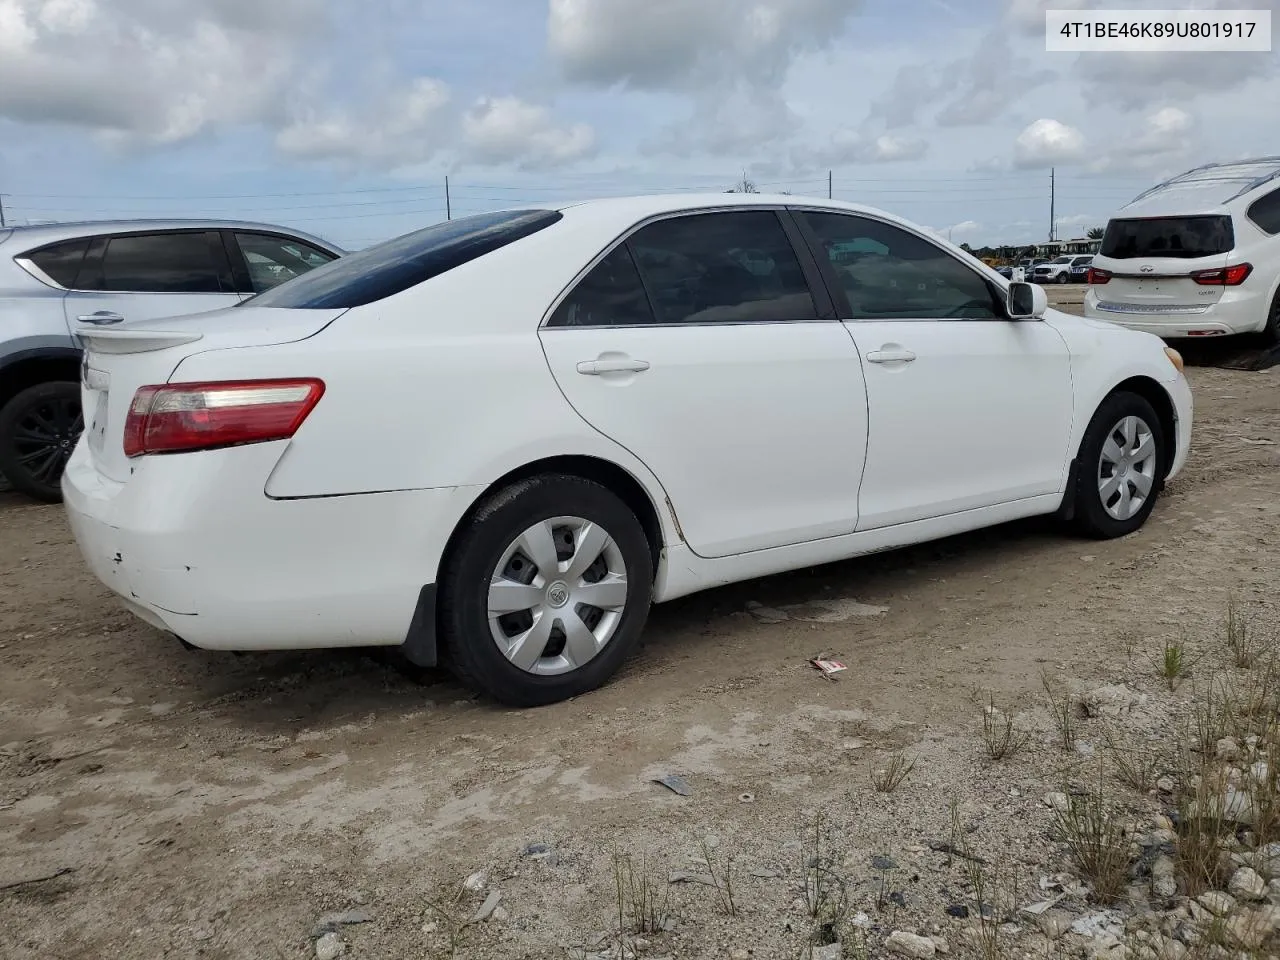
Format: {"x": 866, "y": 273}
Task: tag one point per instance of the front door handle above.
{"x": 890, "y": 355}
{"x": 101, "y": 318}
{"x": 594, "y": 368}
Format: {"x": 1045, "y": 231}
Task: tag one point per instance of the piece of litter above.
{"x": 486, "y": 909}
{"x": 684, "y": 876}
{"x": 746, "y": 798}
{"x": 1036, "y": 909}
{"x": 675, "y": 784}
{"x": 1258, "y": 442}
{"x": 828, "y": 667}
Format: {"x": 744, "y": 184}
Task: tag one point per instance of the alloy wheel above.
{"x": 45, "y": 436}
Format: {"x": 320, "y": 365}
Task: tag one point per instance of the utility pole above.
{"x": 1052, "y": 201}
{"x": 448, "y": 207}
{"x": 1, "y": 211}
{"x": 828, "y": 184}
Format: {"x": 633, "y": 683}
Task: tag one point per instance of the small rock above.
{"x": 1250, "y": 929}
{"x": 500, "y": 915}
{"x": 1057, "y": 801}
{"x": 958, "y": 910}
{"x": 830, "y": 951}
{"x": 1217, "y": 902}
{"x": 740, "y": 954}
{"x": 1246, "y": 884}
{"x": 329, "y": 947}
{"x": 1166, "y": 785}
{"x": 476, "y": 882}
{"x": 764, "y": 873}
{"x": 486, "y": 909}
{"x": 201, "y": 934}
{"x": 1227, "y": 749}
{"x": 910, "y": 945}
{"x": 883, "y": 863}
{"x": 430, "y": 927}
{"x": 537, "y": 850}
{"x": 1266, "y": 860}
{"x": 941, "y": 945}
{"x": 1164, "y": 880}
{"x": 1054, "y": 923}
{"x": 1112, "y": 701}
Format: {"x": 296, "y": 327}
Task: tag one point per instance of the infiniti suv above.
{"x": 56, "y": 279}
{"x": 1196, "y": 256}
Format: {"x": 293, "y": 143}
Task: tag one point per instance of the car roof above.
{"x": 38, "y": 234}
{"x": 1205, "y": 189}
{"x": 629, "y": 210}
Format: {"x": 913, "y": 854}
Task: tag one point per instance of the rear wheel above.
{"x": 546, "y": 593}
{"x": 38, "y": 430}
{"x": 1120, "y": 468}
{"x": 1271, "y": 332}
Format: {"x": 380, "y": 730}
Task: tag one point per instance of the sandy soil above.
{"x": 215, "y": 806}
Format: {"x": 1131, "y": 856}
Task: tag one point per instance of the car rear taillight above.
{"x": 1226, "y": 277}
{"x": 1097, "y": 277}
{"x": 198, "y": 416}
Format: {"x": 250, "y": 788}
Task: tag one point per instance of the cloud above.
{"x": 989, "y": 81}
{"x": 507, "y": 130}
{"x": 678, "y": 45}
{"x": 409, "y": 127}
{"x": 1027, "y": 16}
{"x": 1166, "y": 136}
{"x": 144, "y": 71}
{"x": 1047, "y": 142}
{"x": 850, "y": 146}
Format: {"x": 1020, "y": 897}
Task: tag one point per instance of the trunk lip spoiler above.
{"x": 117, "y": 341}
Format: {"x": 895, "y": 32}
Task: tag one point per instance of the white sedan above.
{"x": 493, "y": 443}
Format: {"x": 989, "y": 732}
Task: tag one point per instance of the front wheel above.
{"x": 38, "y": 430}
{"x": 1064, "y": 277}
{"x": 1120, "y": 468}
{"x": 1271, "y": 332}
{"x": 546, "y": 593}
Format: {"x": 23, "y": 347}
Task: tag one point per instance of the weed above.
{"x": 824, "y": 890}
{"x": 890, "y": 777}
{"x": 1204, "y": 830}
{"x": 1000, "y": 735}
{"x": 1175, "y": 663}
{"x": 722, "y": 882}
{"x": 1244, "y": 641}
{"x": 1136, "y": 769}
{"x": 986, "y": 894}
{"x": 454, "y": 924}
{"x": 641, "y": 899}
{"x": 1096, "y": 842}
{"x": 1063, "y": 707}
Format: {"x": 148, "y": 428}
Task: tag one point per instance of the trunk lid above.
{"x": 1151, "y": 260}
{"x": 120, "y": 359}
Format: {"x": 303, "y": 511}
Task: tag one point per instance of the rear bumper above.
{"x": 193, "y": 545}
{"x": 1231, "y": 315}
{"x": 1184, "y": 410}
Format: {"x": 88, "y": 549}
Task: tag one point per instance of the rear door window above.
{"x": 271, "y": 259}
{"x": 61, "y": 261}
{"x": 733, "y": 267}
{"x": 1183, "y": 238}
{"x": 611, "y": 295}
{"x": 182, "y": 262}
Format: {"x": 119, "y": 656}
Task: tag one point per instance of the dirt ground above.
{"x": 208, "y": 805}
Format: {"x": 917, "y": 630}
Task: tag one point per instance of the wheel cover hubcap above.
{"x": 1127, "y": 468}
{"x": 557, "y": 595}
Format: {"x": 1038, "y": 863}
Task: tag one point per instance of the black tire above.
{"x": 468, "y": 646}
{"x": 31, "y": 465}
{"x": 1271, "y": 332}
{"x": 1091, "y": 516}
{"x": 1064, "y": 277}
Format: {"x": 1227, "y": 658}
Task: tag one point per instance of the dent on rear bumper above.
{"x": 192, "y": 544}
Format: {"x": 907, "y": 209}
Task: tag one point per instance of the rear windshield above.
{"x": 388, "y": 268}
{"x": 1184, "y": 238}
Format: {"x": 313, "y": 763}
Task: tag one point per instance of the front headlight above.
{"x": 1174, "y": 357}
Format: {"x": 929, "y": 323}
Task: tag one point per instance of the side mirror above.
{"x": 1026, "y": 301}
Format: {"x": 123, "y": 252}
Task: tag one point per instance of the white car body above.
{"x": 1228, "y": 217}
{"x": 1057, "y": 270}
{"x": 756, "y": 447}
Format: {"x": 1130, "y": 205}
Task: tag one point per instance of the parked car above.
{"x": 59, "y": 279}
{"x": 1080, "y": 269}
{"x": 494, "y": 442}
{"x": 1005, "y": 271}
{"x": 1196, "y": 256}
{"x": 1057, "y": 270}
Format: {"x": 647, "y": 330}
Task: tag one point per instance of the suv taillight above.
{"x": 1226, "y": 277}
{"x": 177, "y": 417}
{"x": 1097, "y": 276}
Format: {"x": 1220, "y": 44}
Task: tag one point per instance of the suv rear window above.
{"x": 388, "y": 268}
{"x": 1182, "y": 238}
{"x": 61, "y": 261}
{"x": 1265, "y": 212}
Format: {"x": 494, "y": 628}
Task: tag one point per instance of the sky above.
{"x": 344, "y": 117}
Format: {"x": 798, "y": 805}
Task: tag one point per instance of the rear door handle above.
{"x": 101, "y": 318}
{"x": 594, "y": 368}
{"x": 891, "y": 355}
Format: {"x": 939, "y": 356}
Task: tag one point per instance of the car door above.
{"x": 697, "y": 344}
{"x": 967, "y": 409}
{"x": 145, "y": 275}
{"x": 260, "y": 261}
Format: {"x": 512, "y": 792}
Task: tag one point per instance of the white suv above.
{"x": 1196, "y": 256}
{"x": 1059, "y": 270}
